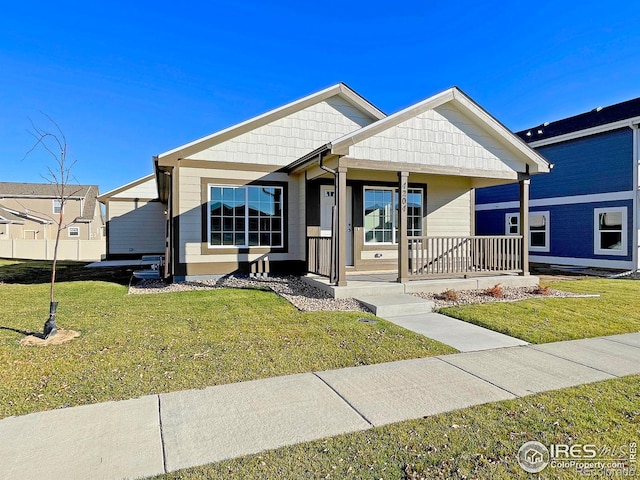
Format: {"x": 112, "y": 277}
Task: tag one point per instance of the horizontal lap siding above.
{"x": 190, "y": 217}
{"x": 449, "y": 207}
{"x": 590, "y": 165}
{"x": 571, "y": 228}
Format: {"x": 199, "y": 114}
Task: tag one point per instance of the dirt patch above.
{"x": 63, "y": 336}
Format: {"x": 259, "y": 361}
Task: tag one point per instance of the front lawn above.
{"x": 133, "y": 345}
{"x": 475, "y": 443}
{"x": 617, "y": 310}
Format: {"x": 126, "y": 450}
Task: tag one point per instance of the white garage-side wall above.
{"x": 136, "y": 227}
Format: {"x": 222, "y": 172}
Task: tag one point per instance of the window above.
{"x": 248, "y": 216}
{"x": 512, "y": 224}
{"x": 381, "y": 214}
{"x": 610, "y": 231}
{"x": 57, "y": 206}
{"x": 538, "y": 229}
{"x": 73, "y": 232}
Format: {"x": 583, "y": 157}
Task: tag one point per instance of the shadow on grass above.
{"x": 24, "y": 332}
{"x": 39, "y": 271}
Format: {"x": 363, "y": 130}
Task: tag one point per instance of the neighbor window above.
{"x": 538, "y": 229}
{"x": 381, "y": 214}
{"x": 512, "y": 224}
{"x": 610, "y": 231}
{"x": 57, "y": 206}
{"x": 248, "y": 216}
{"x": 73, "y": 231}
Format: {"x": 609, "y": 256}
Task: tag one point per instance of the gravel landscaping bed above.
{"x": 310, "y": 299}
{"x": 453, "y": 298}
{"x": 302, "y": 295}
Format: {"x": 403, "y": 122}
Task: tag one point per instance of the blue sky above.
{"x": 128, "y": 80}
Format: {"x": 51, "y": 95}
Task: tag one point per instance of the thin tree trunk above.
{"x": 55, "y": 257}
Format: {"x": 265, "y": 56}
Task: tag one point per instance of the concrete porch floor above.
{"x": 385, "y": 283}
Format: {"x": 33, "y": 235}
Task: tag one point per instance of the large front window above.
{"x": 247, "y": 216}
{"x": 381, "y": 214}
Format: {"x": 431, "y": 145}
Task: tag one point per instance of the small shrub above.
{"x": 449, "y": 295}
{"x": 495, "y": 291}
{"x": 541, "y": 290}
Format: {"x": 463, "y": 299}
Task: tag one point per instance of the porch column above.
{"x": 341, "y": 202}
{"x": 524, "y": 223}
{"x": 403, "y": 245}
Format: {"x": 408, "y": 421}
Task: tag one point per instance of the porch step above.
{"x": 396, "y": 304}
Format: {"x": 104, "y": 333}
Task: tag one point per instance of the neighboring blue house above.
{"x": 585, "y": 211}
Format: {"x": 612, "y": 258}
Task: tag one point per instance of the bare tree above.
{"x": 54, "y": 142}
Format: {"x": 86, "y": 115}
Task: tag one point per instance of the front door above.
{"x": 327, "y": 200}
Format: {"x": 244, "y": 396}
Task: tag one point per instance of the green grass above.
{"x": 134, "y": 345}
{"x": 617, "y": 310}
{"x": 37, "y": 271}
{"x": 478, "y": 442}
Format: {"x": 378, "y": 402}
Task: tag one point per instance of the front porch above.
{"x": 398, "y": 196}
{"x": 372, "y": 284}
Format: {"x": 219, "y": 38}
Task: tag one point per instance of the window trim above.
{"x": 58, "y": 206}
{"x": 76, "y": 229}
{"x": 597, "y": 247}
{"x": 394, "y": 191}
{"x": 246, "y": 217}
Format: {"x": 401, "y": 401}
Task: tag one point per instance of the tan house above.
{"x": 135, "y": 219}
{"x": 28, "y": 216}
{"x": 330, "y": 185}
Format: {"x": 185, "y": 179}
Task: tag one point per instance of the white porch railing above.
{"x": 443, "y": 256}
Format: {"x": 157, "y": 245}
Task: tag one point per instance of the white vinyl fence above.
{"x": 81, "y": 250}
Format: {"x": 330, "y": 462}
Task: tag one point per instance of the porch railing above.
{"x": 319, "y": 257}
{"x": 441, "y": 256}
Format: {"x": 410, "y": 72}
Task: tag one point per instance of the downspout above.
{"x": 324, "y": 167}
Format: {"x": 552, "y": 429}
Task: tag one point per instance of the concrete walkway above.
{"x": 463, "y": 336}
{"x": 161, "y": 433}
{"x": 416, "y": 314}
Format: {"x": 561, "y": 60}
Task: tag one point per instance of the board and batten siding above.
{"x": 136, "y": 227}
{"x": 287, "y": 139}
{"x": 190, "y": 213}
{"x": 441, "y": 137}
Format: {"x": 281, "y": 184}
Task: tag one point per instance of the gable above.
{"x": 285, "y": 139}
{"x": 142, "y": 188}
{"x": 447, "y": 133}
{"x": 442, "y": 137}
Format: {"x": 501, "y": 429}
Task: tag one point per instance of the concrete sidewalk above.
{"x": 161, "y": 433}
